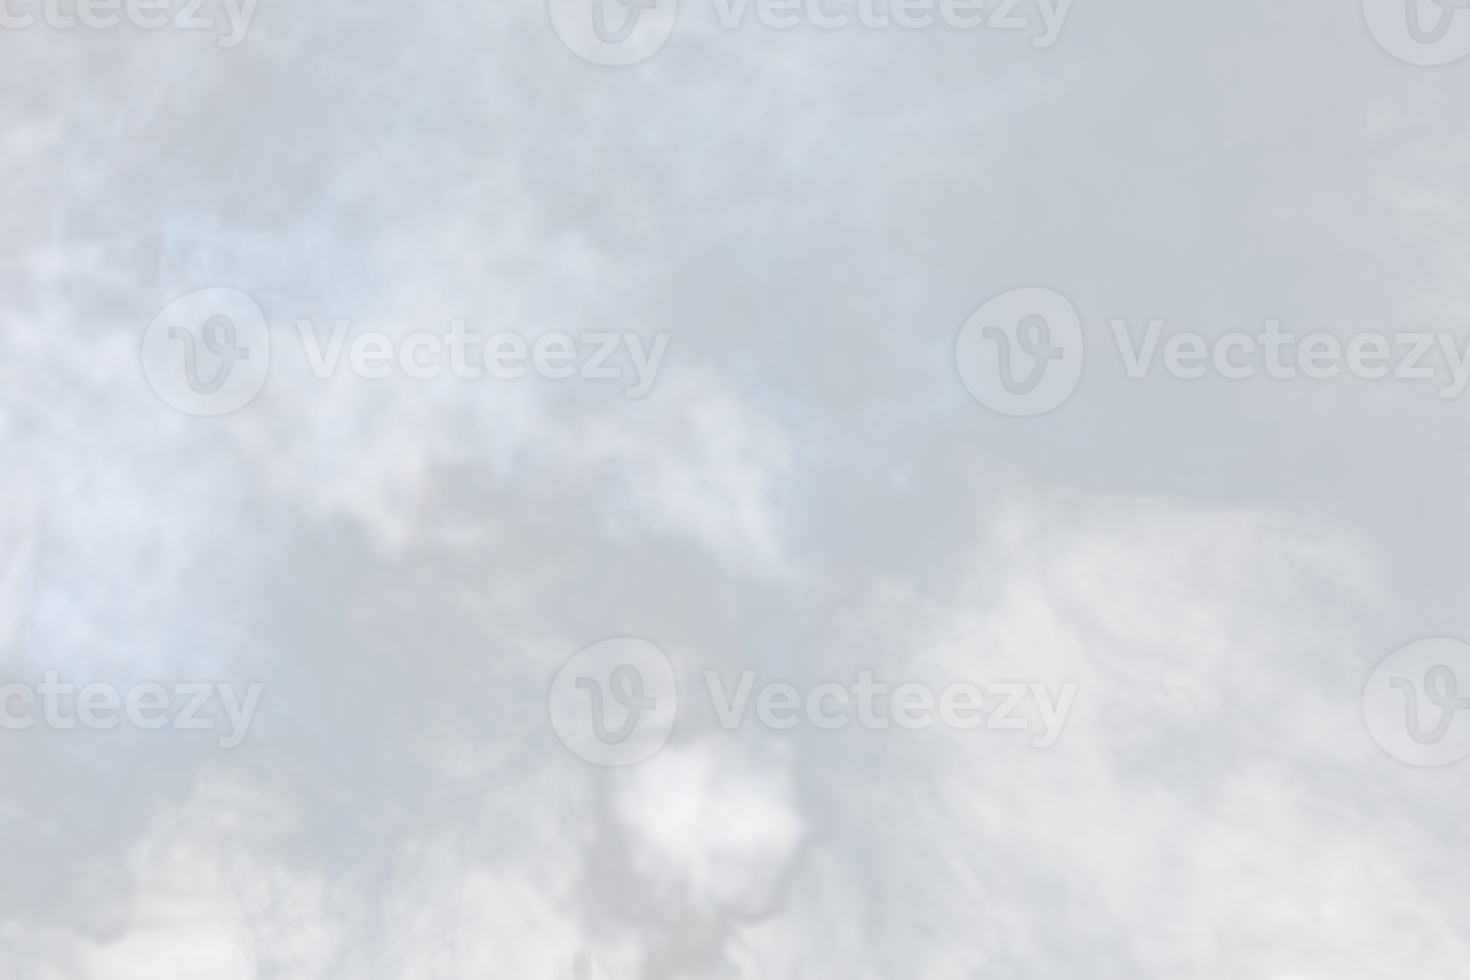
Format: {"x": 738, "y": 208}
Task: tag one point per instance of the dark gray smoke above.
{"x": 806, "y": 490}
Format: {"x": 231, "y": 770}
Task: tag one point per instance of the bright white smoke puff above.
{"x": 701, "y": 838}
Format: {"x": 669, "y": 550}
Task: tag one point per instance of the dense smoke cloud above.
{"x": 804, "y": 488}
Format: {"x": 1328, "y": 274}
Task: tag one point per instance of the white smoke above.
{"x": 703, "y": 838}
{"x": 807, "y": 490}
